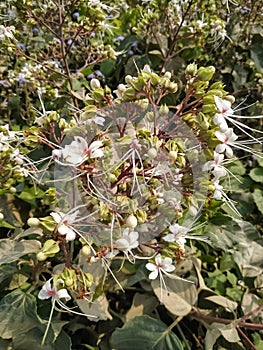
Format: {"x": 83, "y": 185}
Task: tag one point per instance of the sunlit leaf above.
{"x": 11, "y": 250}
{"x": 225, "y": 302}
{"x": 179, "y": 297}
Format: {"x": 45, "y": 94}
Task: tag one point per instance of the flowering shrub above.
{"x": 130, "y": 184}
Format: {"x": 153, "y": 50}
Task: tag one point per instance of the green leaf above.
{"x": 11, "y": 250}
{"x": 145, "y": 333}
{"x": 17, "y": 314}
{"x": 258, "y": 198}
{"x": 256, "y": 52}
{"x": 107, "y": 67}
{"x": 32, "y": 340}
{"x": 256, "y": 174}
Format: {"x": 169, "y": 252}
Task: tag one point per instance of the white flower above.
{"x": 78, "y": 151}
{"x": 225, "y": 110}
{"x": 227, "y": 138}
{"x": 17, "y": 157}
{"x": 218, "y": 191}
{"x": 161, "y": 265}
{"x": 215, "y": 165}
{"x": 64, "y": 221}
{"x": 48, "y": 291}
{"x": 55, "y": 294}
{"x": 178, "y": 235}
{"x": 128, "y": 241}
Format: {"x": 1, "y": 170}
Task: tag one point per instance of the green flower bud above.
{"x": 41, "y": 256}
{"x": 69, "y": 277}
{"x": 85, "y": 250}
{"x": 152, "y": 153}
{"x": 164, "y": 110}
{"x": 230, "y": 98}
{"x": 12, "y": 190}
{"x": 209, "y": 108}
{"x": 173, "y": 155}
{"x": 191, "y": 69}
{"x": 129, "y": 79}
{"x": 86, "y": 278}
{"x": 62, "y": 123}
{"x": 206, "y": 73}
{"x": 141, "y": 216}
{"x": 49, "y": 249}
{"x": 53, "y": 116}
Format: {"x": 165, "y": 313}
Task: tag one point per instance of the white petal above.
{"x": 220, "y": 148}
{"x": 122, "y": 244}
{"x": 71, "y": 235}
{"x": 229, "y": 151}
{"x": 158, "y": 259}
{"x": 57, "y": 216}
{"x": 219, "y": 172}
{"x": 63, "y": 293}
{"x": 63, "y": 229}
{"x": 224, "y": 106}
{"x": 174, "y": 228}
{"x": 218, "y": 119}
{"x": 223, "y": 126}
{"x": 95, "y": 145}
{"x": 44, "y": 292}
{"x": 151, "y": 267}
{"x": 134, "y": 236}
{"x": 169, "y": 238}
{"x": 167, "y": 261}
{"x": 153, "y": 275}
{"x": 98, "y": 153}
{"x": 221, "y": 136}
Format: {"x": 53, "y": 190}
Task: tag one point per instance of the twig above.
{"x": 199, "y": 316}
{"x": 252, "y": 346}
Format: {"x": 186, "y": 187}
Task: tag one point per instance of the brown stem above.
{"x": 199, "y": 316}
{"x": 252, "y": 346}
{"x": 251, "y": 313}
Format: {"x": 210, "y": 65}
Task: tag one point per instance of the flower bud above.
{"x": 168, "y": 75}
{"x": 129, "y": 79}
{"x": 230, "y": 98}
{"x": 1, "y": 216}
{"x": 206, "y": 73}
{"x": 152, "y": 153}
{"x": 85, "y": 250}
{"x": 33, "y": 222}
{"x": 131, "y": 221}
{"x": 173, "y": 155}
{"x": 95, "y": 84}
{"x": 191, "y": 69}
{"x": 41, "y": 256}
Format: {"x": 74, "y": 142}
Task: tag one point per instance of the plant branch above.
{"x": 199, "y": 316}
{"x": 252, "y": 346}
